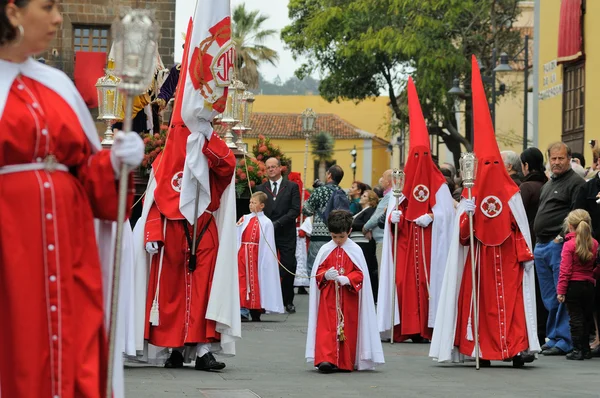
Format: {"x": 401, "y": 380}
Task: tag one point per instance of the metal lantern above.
{"x": 247, "y": 106}
{"x": 308, "y": 120}
{"x": 135, "y": 43}
{"x": 398, "y": 178}
{"x": 110, "y": 104}
{"x": 468, "y": 169}
{"x": 232, "y": 114}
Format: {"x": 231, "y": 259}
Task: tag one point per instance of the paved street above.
{"x": 270, "y": 363}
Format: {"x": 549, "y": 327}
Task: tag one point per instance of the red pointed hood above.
{"x": 423, "y": 178}
{"x": 168, "y": 166}
{"x": 493, "y": 186}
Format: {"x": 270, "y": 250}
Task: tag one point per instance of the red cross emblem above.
{"x": 176, "y": 181}
{"x": 491, "y": 206}
{"x": 421, "y": 193}
{"x": 211, "y": 65}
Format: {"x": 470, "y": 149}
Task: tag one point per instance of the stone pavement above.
{"x": 270, "y": 363}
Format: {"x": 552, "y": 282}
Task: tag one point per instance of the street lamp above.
{"x": 308, "y": 123}
{"x": 505, "y": 67}
{"x": 353, "y": 164}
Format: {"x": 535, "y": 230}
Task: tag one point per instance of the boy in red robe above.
{"x": 342, "y": 317}
{"x": 258, "y": 269}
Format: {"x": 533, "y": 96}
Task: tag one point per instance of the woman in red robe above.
{"x": 53, "y": 182}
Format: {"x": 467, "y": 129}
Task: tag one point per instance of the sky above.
{"x": 277, "y": 12}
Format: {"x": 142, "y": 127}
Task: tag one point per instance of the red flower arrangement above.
{"x": 264, "y": 149}
{"x": 154, "y": 143}
{"x": 249, "y": 173}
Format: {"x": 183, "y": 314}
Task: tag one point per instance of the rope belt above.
{"x": 49, "y": 164}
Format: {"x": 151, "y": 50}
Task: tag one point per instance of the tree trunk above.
{"x": 323, "y": 170}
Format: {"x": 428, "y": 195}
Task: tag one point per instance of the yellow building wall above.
{"x": 371, "y": 115}
{"x": 592, "y": 83}
{"x": 551, "y": 78}
{"x": 294, "y": 149}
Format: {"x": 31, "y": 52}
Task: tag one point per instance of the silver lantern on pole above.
{"x": 110, "y": 103}
{"x": 246, "y": 109}
{"x": 468, "y": 171}
{"x": 398, "y": 179}
{"x": 135, "y": 40}
{"x": 308, "y": 124}
{"x": 231, "y": 116}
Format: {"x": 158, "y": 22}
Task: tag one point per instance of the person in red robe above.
{"x": 424, "y": 217}
{"x": 55, "y": 180}
{"x": 342, "y": 310}
{"x": 248, "y": 260}
{"x": 258, "y": 270}
{"x": 179, "y": 284}
{"x": 504, "y": 288}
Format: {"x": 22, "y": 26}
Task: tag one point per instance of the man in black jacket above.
{"x": 282, "y": 208}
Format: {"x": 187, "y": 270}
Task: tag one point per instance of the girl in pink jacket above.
{"x": 577, "y": 279}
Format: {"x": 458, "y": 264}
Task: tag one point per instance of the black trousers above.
{"x": 287, "y": 257}
{"x": 369, "y": 251}
{"x": 580, "y": 304}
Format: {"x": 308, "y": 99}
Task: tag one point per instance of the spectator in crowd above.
{"x": 578, "y": 169}
{"x": 557, "y": 199}
{"x": 282, "y": 207}
{"x": 586, "y": 200}
{"x": 512, "y": 162}
{"x": 355, "y": 193}
{"x": 577, "y": 278}
{"x": 532, "y": 162}
{"x": 579, "y": 159}
{"x": 368, "y": 203}
{"x": 315, "y": 205}
{"x": 371, "y": 228}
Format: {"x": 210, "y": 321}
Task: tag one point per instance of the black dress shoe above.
{"x": 418, "y": 339}
{"x": 485, "y": 363}
{"x": 255, "y": 314}
{"x": 545, "y": 347}
{"x": 528, "y": 357}
{"x": 518, "y": 361}
{"x": 553, "y": 352}
{"x": 302, "y": 290}
{"x": 175, "y": 360}
{"x": 208, "y": 362}
{"x": 576, "y": 355}
{"x": 326, "y": 367}
{"x": 290, "y": 309}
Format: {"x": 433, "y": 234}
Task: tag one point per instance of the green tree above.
{"x": 248, "y": 35}
{"x": 322, "y": 148}
{"x": 363, "y": 47}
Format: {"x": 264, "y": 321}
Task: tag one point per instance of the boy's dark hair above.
{"x": 339, "y": 221}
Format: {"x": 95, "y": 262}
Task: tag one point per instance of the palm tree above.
{"x": 248, "y": 35}
{"x": 322, "y": 148}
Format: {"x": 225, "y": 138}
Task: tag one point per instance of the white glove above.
{"x": 331, "y": 274}
{"x": 424, "y": 220}
{"x": 127, "y": 148}
{"x": 470, "y": 205}
{"x": 152, "y": 247}
{"x": 528, "y": 265}
{"x": 396, "y": 216}
{"x": 342, "y": 280}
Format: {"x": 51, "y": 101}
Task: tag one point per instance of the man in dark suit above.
{"x": 282, "y": 208}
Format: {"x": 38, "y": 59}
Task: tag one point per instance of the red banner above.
{"x": 570, "y": 34}
{"x": 89, "y": 67}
